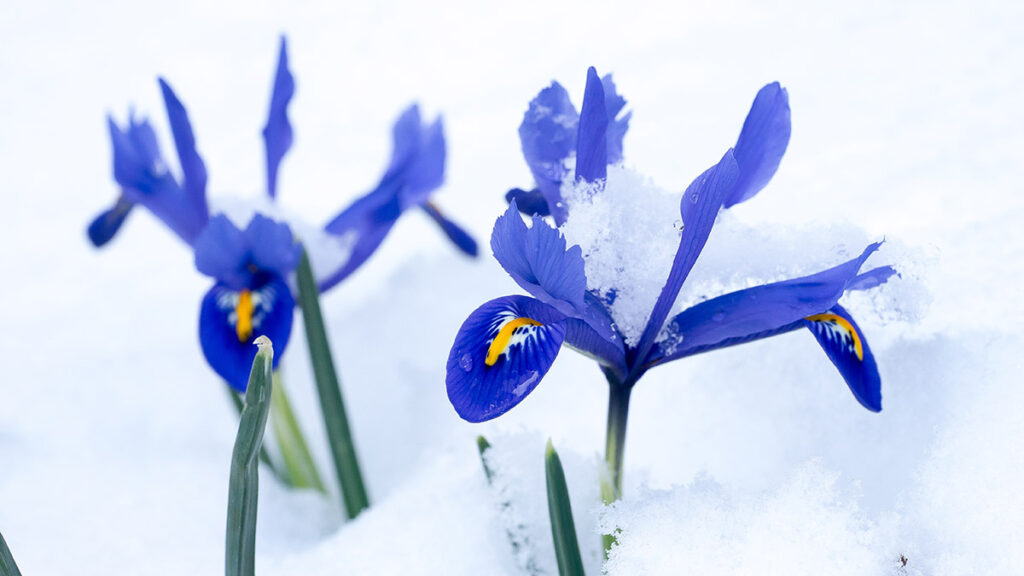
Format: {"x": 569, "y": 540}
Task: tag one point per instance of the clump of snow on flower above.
{"x": 805, "y": 527}
{"x": 629, "y": 233}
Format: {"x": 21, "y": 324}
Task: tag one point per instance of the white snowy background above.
{"x": 115, "y": 437}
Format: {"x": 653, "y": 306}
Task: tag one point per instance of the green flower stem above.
{"x": 618, "y": 411}
{"x": 563, "y": 528}
{"x": 343, "y": 451}
{"x": 8, "y": 567}
{"x": 298, "y": 462}
{"x": 243, "y": 483}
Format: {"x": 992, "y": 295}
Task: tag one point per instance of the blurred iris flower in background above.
{"x": 252, "y": 266}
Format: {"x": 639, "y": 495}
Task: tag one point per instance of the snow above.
{"x": 115, "y": 437}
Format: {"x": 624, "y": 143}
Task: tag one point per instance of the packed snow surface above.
{"x": 115, "y": 437}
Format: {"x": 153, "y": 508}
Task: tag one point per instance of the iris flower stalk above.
{"x": 253, "y": 266}
{"x": 506, "y": 346}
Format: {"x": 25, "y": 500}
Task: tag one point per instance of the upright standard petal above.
{"x": 616, "y": 126}
{"x": 845, "y": 345}
{"x": 425, "y": 170}
{"x": 501, "y": 353}
{"x": 455, "y": 233}
{"x": 699, "y": 207}
{"x": 592, "y": 142}
{"x": 140, "y": 170}
{"x": 762, "y": 142}
{"x": 757, "y": 312}
{"x": 537, "y": 259}
{"x": 277, "y": 134}
{"x": 192, "y": 167}
{"x": 548, "y": 137}
{"x": 230, "y": 319}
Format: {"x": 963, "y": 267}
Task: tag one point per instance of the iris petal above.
{"x": 757, "y": 312}
{"x": 762, "y": 142}
{"x": 548, "y": 137}
{"x": 530, "y": 202}
{"x": 592, "y": 142}
{"x": 425, "y": 172}
{"x": 537, "y": 259}
{"x": 192, "y": 167}
{"x": 479, "y": 391}
{"x": 455, "y": 233}
{"x": 699, "y": 207}
{"x": 105, "y": 226}
{"x": 221, "y": 252}
{"x": 271, "y": 245}
{"x": 616, "y": 128}
{"x": 277, "y": 134}
{"x": 584, "y": 339}
{"x": 845, "y": 345}
{"x": 273, "y": 307}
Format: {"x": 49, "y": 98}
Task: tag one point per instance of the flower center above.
{"x": 501, "y": 341}
{"x": 840, "y": 328}
{"x": 243, "y": 313}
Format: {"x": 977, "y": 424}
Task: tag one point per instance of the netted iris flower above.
{"x": 252, "y": 266}
{"x": 506, "y": 346}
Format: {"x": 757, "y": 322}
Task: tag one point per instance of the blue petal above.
{"x": 425, "y": 172}
{"x": 548, "y": 137}
{"x": 584, "y": 339}
{"x": 616, "y": 128}
{"x": 872, "y": 278}
{"x": 699, "y": 207}
{"x": 367, "y": 221}
{"x": 846, "y": 347}
{"x": 480, "y": 392}
{"x": 368, "y": 238}
{"x": 272, "y": 248}
{"x": 106, "y": 225}
{"x": 530, "y": 202}
{"x": 142, "y": 174}
{"x": 592, "y": 142}
{"x": 192, "y": 167}
{"x": 218, "y": 335}
{"x": 537, "y": 259}
{"x": 455, "y": 233}
{"x": 277, "y": 134}
{"x": 221, "y": 252}
{"x": 758, "y": 312}
{"x": 762, "y": 142}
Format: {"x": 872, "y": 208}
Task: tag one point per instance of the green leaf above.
{"x": 482, "y": 445}
{"x": 7, "y": 565}
{"x": 236, "y": 401}
{"x": 339, "y": 437}
{"x": 563, "y": 529}
{"x": 298, "y": 462}
{"x": 243, "y": 483}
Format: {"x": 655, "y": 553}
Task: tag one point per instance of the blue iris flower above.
{"x": 252, "y": 266}
{"x": 505, "y": 347}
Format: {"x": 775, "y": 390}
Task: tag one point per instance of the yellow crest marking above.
{"x": 243, "y": 311}
{"x": 500, "y": 341}
{"x": 845, "y": 325}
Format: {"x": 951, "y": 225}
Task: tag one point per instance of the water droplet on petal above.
{"x": 466, "y": 362}
{"x": 678, "y": 225}
{"x": 694, "y": 197}
{"x": 718, "y": 316}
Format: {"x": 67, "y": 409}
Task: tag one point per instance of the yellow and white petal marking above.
{"x": 514, "y": 330}
{"x": 246, "y": 309}
{"x": 839, "y": 329}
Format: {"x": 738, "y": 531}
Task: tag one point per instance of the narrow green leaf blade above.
{"x": 482, "y": 445}
{"x": 7, "y": 565}
{"x": 339, "y": 436}
{"x": 243, "y": 483}
{"x": 563, "y": 529}
{"x": 298, "y": 461}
